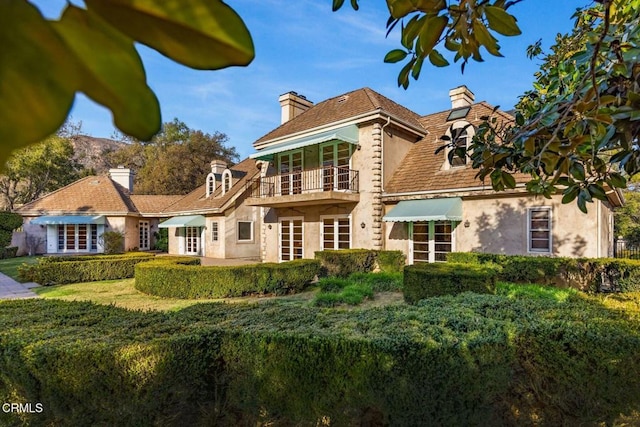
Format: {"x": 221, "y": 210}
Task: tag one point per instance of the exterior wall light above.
{"x": 363, "y": 225}
{"x": 467, "y": 224}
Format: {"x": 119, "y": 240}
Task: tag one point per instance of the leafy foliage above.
{"x": 9, "y": 221}
{"x": 175, "y": 161}
{"x": 91, "y": 50}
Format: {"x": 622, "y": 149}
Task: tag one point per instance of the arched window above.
{"x": 226, "y": 181}
{"x": 461, "y": 134}
{"x": 211, "y": 184}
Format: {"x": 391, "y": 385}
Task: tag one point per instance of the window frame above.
{"x": 215, "y": 232}
{"x": 227, "y": 181}
{"x": 211, "y": 184}
{"x": 431, "y": 240}
{"x": 469, "y": 132}
{"x": 336, "y": 233}
{"x": 549, "y": 229}
{"x": 251, "y": 231}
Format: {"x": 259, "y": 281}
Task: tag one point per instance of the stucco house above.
{"x": 359, "y": 171}
{"x": 72, "y": 219}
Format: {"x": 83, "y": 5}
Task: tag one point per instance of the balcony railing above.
{"x": 326, "y": 178}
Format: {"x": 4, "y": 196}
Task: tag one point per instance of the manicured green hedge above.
{"x": 57, "y": 270}
{"x": 10, "y": 252}
{"x": 426, "y": 280}
{"x": 585, "y": 274}
{"x": 459, "y": 360}
{"x": 344, "y": 262}
{"x": 169, "y": 279}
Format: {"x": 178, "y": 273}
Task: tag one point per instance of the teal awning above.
{"x": 449, "y": 209}
{"x": 68, "y": 219}
{"x": 346, "y": 134}
{"x": 183, "y": 221}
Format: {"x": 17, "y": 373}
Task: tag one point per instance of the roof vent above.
{"x": 95, "y": 182}
{"x": 342, "y": 99}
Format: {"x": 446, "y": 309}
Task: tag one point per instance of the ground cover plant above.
{"x": 356, "y": 288}
{"x": 468, "y": 359}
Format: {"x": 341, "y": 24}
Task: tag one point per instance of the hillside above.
{"x": 90, "y": 151}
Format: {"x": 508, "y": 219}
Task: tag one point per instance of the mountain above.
{"x": 90, "y": 151}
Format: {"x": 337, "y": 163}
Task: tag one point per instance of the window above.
{"x": 211, "y": 184}
{"x": 245, "y": 231}
{"x": 291, "y": 239}
{"x": 77, "y": 237}
{"x": 431, "y": 241}
{"x": 336, "y": 232}
{"x": 458, "y": 153}
{"x": 214, "y": 231}
{"x": 335, "y": 165}
{"x": 290, "y": 167}
{"x": 226, "y": 181}
{"x": 540, "y": 230}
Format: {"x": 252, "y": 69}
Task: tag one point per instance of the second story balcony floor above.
{"x": 323, "y": 185}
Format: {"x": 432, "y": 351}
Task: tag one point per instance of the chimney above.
{"x": 461, "y": 97}
{"x": 218, "y": 166}
{"x": 293, "y": 105}
{"x": 123, "y": 176}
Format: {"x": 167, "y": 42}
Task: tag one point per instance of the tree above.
{"x": 175, "y": 161}
{"x": 38, "y": 169}
{"x": 44, "y": 63}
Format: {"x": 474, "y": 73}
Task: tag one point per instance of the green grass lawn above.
{"x": 10, "y": 266}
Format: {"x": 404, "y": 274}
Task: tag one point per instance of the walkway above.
{"x": 10, "y": 289}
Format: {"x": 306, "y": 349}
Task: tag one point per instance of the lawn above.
{"x": 10, "y": 266}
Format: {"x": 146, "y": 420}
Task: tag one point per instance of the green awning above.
{"x": 449, "y": 209}
{"x": 346, "y": 134}
{"x": 68, "y": 219}
{"x": 183, "y": 221}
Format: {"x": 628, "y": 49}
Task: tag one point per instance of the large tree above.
{"x": 175, "y": 161}
{"x": 38, "y": 169}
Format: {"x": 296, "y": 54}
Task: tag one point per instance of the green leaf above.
{"x": 37, "y": 83}
{"x": 437, "y": 59}
{"x": 597, "y": 191}
{"x": 403, "y": 77}
{"x": 395, "y": 55}
{"x": 501, "y": 22}
{"x": 431, "y": 32}
{"x": 617, "y": 180}
{"x": 337, "y": 4}
{"x": 508, "y": 179}
{"x": 111, "y": 72}
{"x": 577, "y": 171}
{"x": 485, "y": 38}
{"x": 415, "y": 71}
{"x": 202, "y": 35}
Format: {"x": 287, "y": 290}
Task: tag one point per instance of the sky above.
{"x": 303, "y": 46}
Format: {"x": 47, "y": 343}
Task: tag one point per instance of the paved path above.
{"x": 10, "y": 289}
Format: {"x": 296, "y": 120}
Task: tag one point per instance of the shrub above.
{"x": 390, "y": 261}
{"x": 76, "y": 269}
{"x": 161, "y": 240}
{"x": 380, "y": 282}
{"x": 10, "y": 252}
{"x": 342, "y": 263}
{"x": 428, "y": 280}
{"x": 113, "y": 242}
{"x": 9, "y": 221}
{"x": 168, "y": 278}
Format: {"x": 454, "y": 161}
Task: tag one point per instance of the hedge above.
{"x": 344, "y": 262}
{"x": 10, "y": 252}
{"x": 585, "y": 274}
{"x": 426, "y": 280}
{"x": 57, "y": 270}
{"x": 166, "y": 278}
{"x": 468, "y": 359}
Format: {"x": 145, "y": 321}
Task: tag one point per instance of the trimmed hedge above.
{"x": 344, "y": 262}
{"x": 167, "y": 278}
{"x": 58, "y": 270}
{"x": 457, "y": 360}
{"x": 585, "y": 274}
{"x": 10, "y": 252}
{"x": 426, "y": 280}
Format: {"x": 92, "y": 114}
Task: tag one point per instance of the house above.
{"x": 214, "y": 220}
{"x": 359, "y": 171}
{"x": 72, "y": 219}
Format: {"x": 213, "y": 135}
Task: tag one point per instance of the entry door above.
{"x": 431, "y": 241}
{"x": 192, "y": 240}
{"x": 291, "y": 240}
{"x": 335, "y": 164}
{"x": 144, "y": 230}
{"x": 291, "y": 173}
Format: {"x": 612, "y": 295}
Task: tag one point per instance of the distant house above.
{"x": 73, "y": 218}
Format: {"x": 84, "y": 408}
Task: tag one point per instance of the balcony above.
{"x": 324, "y": 185}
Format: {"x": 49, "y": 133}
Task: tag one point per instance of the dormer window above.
{"x": 461, "y": 134}
{"x": 211, "y": 184}
{"x": 226, "y": 181}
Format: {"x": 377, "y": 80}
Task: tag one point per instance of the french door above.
{"x": 144, "y": 231}
{"x": 291, "y": 172}
{"x": 192, "y": 240}
{"x": 335, "y": 164}
{"x": 431, "y": 241}
{"x": 291, "y": 239}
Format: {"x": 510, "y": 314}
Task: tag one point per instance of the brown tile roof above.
{"x": 148, "y": 204}
{"x": 422, "y": 170}
{"x": 92, "y": 194}
{"x": 342, "y": 107}
{"x": 197, "y": 200}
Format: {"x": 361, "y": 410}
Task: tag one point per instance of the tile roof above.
{"x": 339, "y": 108}
{"x": 197, "y": 200}
{"x": 422, "y": 170}
{"x": 147, "y": 204}
{"x": 92, "y": 194}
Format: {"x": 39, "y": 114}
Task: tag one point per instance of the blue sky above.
{"x": 302, "y": 46}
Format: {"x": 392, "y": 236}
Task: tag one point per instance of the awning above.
{"x": 347, "y": 134}
{"x": 448, "y": 209}
{"x": 68, "y": 219}
{"x": 183, "y": 221}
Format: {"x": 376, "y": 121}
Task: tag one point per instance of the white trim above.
{"x": 250, "y": 240}
{"x": 215, "y": 228}
{"x": 335, "y": 230}
{"x": 225, "y": 174}
{"x": 448, "y": 191}
{"x": 289, "y": 218}
{"x": 431, "y": 241}
{"x": 529, "y": 211}
{"x": 210, "y": 184}
{"x": 470, "y": 132}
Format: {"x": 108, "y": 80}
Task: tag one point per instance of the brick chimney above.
{"x": 123, "y": 176}
{"x": 461, "y": 97}
{"x": 293, "y": 105}
{"x": 218, "y": 166}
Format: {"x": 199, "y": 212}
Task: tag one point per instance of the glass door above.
{"x": 192, "y": 240}
{"x": 291, "y": 173}
{"x": 290, "y": 239}
{"x": 144, "y": 235}
{"x": 335, "y": 165}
